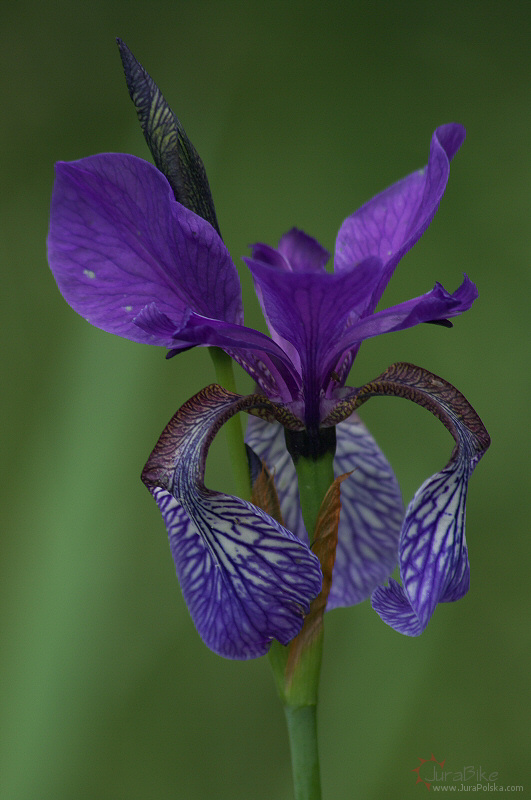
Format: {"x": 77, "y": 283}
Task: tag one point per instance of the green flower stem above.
{"x": 315, "y": 477}
{"x": 298, "y": 682}
{"x": 297, "y": 686}
{"x": 302, "y": 730}
{"x": 299, "y": 697}
{"x": 233, "y": 427}
{"x": 301, "y": 688}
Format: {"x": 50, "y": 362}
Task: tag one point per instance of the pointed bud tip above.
{"x": 122, "y": 47}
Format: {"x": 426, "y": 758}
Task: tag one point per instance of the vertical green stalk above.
{"x": 302, "y": 731}
{"x": 315, "y": 476}
{"x": 299, "y": 698}
{"x": 297, "y": 667}
{"x": 233, "y": 427}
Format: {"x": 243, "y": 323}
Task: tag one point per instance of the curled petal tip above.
{"x": 451, "y": 136}
{"x": 393, "y": 221}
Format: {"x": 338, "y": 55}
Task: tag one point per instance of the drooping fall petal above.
{"x": 432, "y": 552}
{"x": 372, "y": 512}
{"x": 245, "y": 578}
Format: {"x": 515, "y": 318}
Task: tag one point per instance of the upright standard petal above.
{"x": 303, "y": 253}
{"x": 245, "y": 578}
{"x": 433, "y": 555}
{"x": 371, "y": 514}
{"x": 119, "y": 242}
{"x": 296, "y": 252}
{"x": 393, "y": 221}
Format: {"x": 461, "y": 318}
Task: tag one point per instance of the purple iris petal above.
{"x": 245, "y": 341}
{"x": 436, "y": 304}
{"x": 433, "y": 555}
{"x": 309, "y": 310}
{"x": 269, "y": 443}
{"x": 371, "y": 505}
{"x": 303, "y": 253}
{"x": 159, "y": 327}
{"x": 297, "y": 252}
{"x": 245, "y": 578}
{"x": 390, "y": 224}
{"x": 119, "y": 242}
{"x": 371, "y": 516}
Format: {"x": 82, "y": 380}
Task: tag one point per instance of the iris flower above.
{"x": 136, "y": 250}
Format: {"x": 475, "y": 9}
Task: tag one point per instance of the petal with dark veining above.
{"x": 245, "y": 578}
{"x": 432, "y": 552}
{"x": 119, "y": 241}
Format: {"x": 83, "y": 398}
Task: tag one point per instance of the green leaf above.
{"x": 173, "y": 152}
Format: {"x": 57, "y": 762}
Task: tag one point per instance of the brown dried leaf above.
{"x": 264, "y": 494}
{"x": 324, "y": 547}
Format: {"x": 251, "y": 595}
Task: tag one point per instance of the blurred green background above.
{"x": 301, "y": 112}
